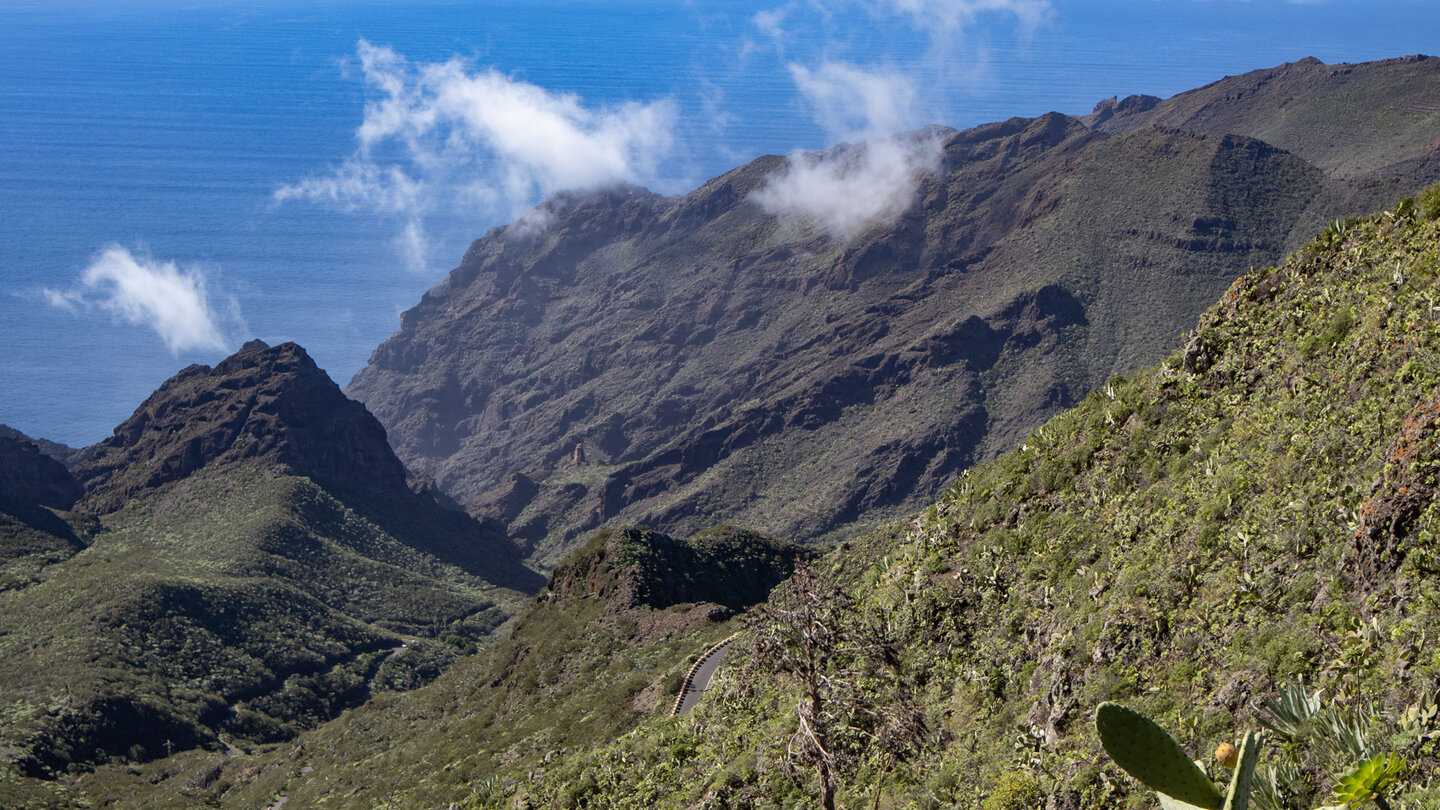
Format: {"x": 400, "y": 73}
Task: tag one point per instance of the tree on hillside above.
{"x": 855, "y": 702}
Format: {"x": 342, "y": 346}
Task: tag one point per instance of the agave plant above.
{"x": 1369, "y": 781}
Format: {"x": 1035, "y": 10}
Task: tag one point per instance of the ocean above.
{"x": 166, "y": 127}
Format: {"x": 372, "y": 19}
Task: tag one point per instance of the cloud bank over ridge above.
{"x": 454, "y": 136}
{"x": 873, "y": 179}
{"x": 448, "y": 134}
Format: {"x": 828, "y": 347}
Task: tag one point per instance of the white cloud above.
{"x": 771, "y": 22}
{"x": 70, "y": 302}
{"x": 873, "y": 180}
{"x": 360, "y": 184}
{"x": 444, "y": 133}
{"x": 413, "y": 245}
{"x": 948, "y": 16}
{"x": 712, "y": 100}
{"x": 851, "y": 187}
{"x": 144, "y": 292}
{"x": 941, "y": 19}
{"x": 853, "y": 102}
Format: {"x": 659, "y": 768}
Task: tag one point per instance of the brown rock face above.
{"x": 262, "y": 403}
{"x": 28, "y": 476}
{"x": 1397, "y": 500}
{"x": 275, "y": 407}
{"x": 713, "y": 363}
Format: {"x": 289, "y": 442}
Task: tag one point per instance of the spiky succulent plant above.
{"x": 1369, "y": 780}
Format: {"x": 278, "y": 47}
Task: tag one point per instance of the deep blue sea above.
{"x": 166, "y": 127}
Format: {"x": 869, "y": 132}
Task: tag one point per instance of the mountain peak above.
{"x": 267, "y": 404}
{"x": 1296, "y": 107}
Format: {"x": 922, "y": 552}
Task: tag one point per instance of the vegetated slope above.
{"x": 605, "y": 646}
{"x": 250, "y": 561}
{"x": 1257, "y": 511}
{"x": 1303, "y": 107}
{"x": 625, "y": 357}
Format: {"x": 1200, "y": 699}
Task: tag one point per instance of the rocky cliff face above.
{"x": 261, "y": 404}
{"x": 274, "y": 407}
{"x": 680, "y": 361}
{"x": 29, "y": 476}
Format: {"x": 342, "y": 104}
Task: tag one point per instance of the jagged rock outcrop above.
{"x": 275, "y": 407}
{"x": 260, "y": 404}
{"x": 637, "y": 567}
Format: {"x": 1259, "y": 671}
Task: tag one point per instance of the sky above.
{"x": 403, "y": 130}
{"x": 460, "y": 132}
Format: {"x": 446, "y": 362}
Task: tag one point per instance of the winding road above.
{"x": 698, "y": 679}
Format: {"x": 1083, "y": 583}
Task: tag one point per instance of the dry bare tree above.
{"x": 855, "y": 701}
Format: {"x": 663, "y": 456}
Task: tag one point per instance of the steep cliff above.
{"x": 680, "y": 361}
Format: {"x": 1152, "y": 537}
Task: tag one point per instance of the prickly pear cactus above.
{"x": 1167, "y": 803}
{"x": 1150, "y": 755}
{"x": 1238, "y": 797}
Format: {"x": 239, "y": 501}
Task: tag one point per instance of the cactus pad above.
{"x": 1238, "y": 797}
{"x": 1150, "y": 755}
{"x": 1167, "y": 803}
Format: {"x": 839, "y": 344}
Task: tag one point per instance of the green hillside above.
{"x": 251, "y": 605}
{"x": 1254, "y": 519}
{"x": 1257, "y": 512}
{"x": 605, "y": 646}
{"x": 246, "y": 562}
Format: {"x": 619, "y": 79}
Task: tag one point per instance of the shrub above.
{"x": 1016, "y": 790}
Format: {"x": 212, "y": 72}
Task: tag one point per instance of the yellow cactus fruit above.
{"x": 1226, "y": 755}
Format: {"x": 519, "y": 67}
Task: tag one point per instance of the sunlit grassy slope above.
{"x": 1256, "y": 511}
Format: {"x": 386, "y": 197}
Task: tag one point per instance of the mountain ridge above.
{"x": 1268, "y": 105}
{"x": 1255, "y": 518}
{"x": 246, "y": 560}
{"x": 681, "y": 361}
